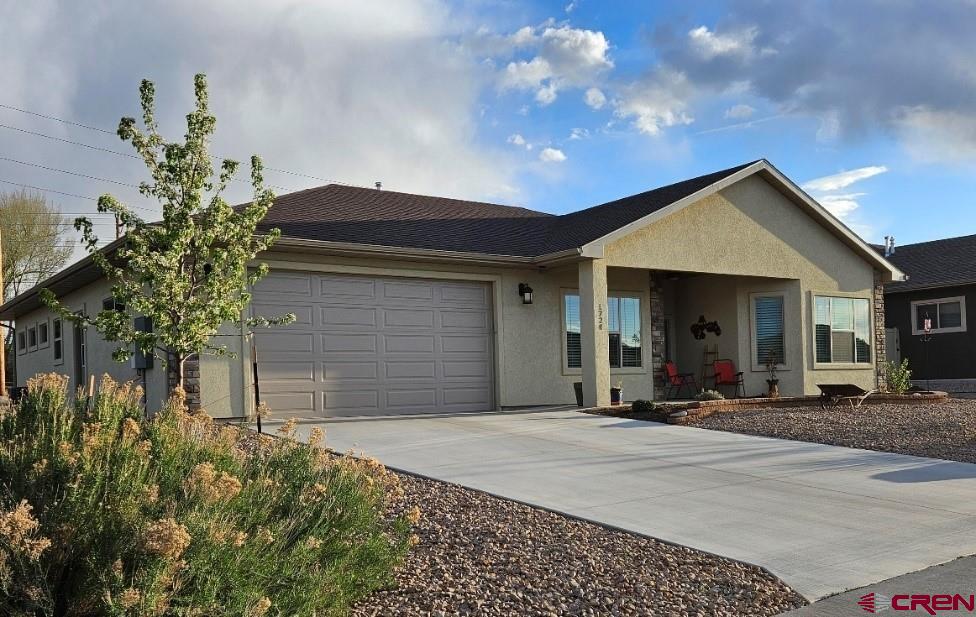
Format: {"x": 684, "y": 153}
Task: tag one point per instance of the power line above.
{"x": 107, "y": 132}
{"x": 108, "y": 150}
{"x": 65, "y": 171}
{"x": 47, "y": 190}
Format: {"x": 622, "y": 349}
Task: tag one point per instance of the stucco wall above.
{"x": 99, "y": 354}
{"x": 752, "y": 230}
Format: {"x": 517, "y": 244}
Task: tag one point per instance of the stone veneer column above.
{"x": 594, "y": 342}
{"x": 658, "y": 340}
{"x": 879, "y": 332}
{"x": 191, "y": 380}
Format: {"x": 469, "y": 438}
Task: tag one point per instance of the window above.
{"x": 32, "y": 337}
{"x": 58, "y": 342}
{"x": 946, "y": 315}
{"x": 21, "y": 342}
{"x": 42, "y": 334}
{"x": 842, "y": 330}
{"x": 110, "y": 304}
{"x": 768, "y": 327}
{"x": 623, "y": 328}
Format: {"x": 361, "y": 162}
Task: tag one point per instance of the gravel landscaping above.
{"x": 481, "y": 555}
{"x": 945, "y": 430}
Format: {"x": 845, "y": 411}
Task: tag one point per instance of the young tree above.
{"x": 189, "y": 273}
{"x": 35, "y": 244}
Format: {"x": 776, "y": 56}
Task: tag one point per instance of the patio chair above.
{"x": 677, "y": 381}
{"x": 831, "y": 394}
{"x": 726, "y": 375}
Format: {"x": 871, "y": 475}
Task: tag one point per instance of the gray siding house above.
{"x": 414, "y": 304}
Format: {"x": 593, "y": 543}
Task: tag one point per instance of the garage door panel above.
{"x": 296, "y": 284}
{"x": 375, "y": 346}
{"x": 416, "y": 399}
{"x": 284, "y": 342}
{"x": 464, "y": 344}
{"x": 347, "y": 316}
{"x": 408, "y": 291}
{"x": 343, "y": 343}
{"x": 414, "y": 344}
{"x": 347, "y": 371}
{"x": 408, "y": 318}
{"x": 470, "y": 295}
{"x": 473, "y": 320}
{"x": 335, "y": 286}
{"x": 411, "y": 370}
{"x": 349, "y": 400}
{"x": 287, "y": 403}
{"x": 286, "y": 370}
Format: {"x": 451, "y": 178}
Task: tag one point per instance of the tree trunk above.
{"x": 176, "y": 363}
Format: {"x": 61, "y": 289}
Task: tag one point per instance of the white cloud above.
{"x": 708, "y": 44}
{"x": 570, "y": 7}
{"x": 843, "y": 179}
{"x": 594, "y": 98}
{"x": 658, "y": 102}
{"x": 843, "y": 205}
{"x": 565, "y": 58}
{"x": 740, "y": 112}
{"x": 933, "y": 136}
{"x": 318, "y": 88}
{"x": 516, "y": 139}
{"x": 578, "y": 133}
{"x": 551, "y": 155}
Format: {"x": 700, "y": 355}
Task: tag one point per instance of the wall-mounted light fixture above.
{"x": 526, "y": 292}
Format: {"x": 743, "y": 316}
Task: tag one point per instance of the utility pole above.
{"x": 3, "y": 333}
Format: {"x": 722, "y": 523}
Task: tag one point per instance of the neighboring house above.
{"x": 941, "y": 287}
{"x": 409, "y": 303}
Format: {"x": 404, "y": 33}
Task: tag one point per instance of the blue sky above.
{"x": 552, "y": 105}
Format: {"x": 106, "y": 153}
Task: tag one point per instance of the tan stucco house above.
{"x": 413, "y": 304}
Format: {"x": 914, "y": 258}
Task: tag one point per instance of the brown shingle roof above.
{"x": 340, "y": 213}
{"x": 939, "y": 263}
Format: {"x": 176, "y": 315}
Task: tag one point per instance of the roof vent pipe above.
{"x": 891, "y": 245}
{"x": 887, "y": 245}
{"x": 379, "y": 186}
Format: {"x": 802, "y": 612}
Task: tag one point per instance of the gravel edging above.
{"x": 484, "y": 555}
{"x": 944, "y": 430}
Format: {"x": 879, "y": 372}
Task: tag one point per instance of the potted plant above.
{"x": 617, "y": 394}
{"x": 772, "y": 361}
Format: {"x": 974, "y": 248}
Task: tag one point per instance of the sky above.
{"x": 870, "y": 106}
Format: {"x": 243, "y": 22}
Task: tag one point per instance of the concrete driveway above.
{"x": 823, "y": 518}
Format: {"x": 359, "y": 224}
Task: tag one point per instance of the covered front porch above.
{"x": 741, "y": 319}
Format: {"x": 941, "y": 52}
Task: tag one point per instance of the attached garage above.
{"x": 374, "y": 346}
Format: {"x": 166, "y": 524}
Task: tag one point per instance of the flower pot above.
{"x": 616, "y": 396}
{"x": 773, "y": 388}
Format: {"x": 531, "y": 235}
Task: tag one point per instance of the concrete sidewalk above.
{"x": 825, "y": 519}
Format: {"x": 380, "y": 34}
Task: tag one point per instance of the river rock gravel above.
{"x": 482, "y": 555}
{"x": 945, "y": 430}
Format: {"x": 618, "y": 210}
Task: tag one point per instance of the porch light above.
{"x": 526, "y": 292}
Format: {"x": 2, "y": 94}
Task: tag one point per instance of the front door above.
{"x": 892, "y": 346}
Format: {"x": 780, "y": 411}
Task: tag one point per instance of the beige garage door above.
{"x": 374, "y": 346}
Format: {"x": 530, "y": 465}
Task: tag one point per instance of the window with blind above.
{"x": 944, "y": 315}
{"x": 842, "y": 330}
{"x": 623, "y": 330}
{"x": 769, "y": 330}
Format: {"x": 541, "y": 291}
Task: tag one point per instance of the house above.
{"x": 410, "y": 303}
{"x": 941, "y": 288}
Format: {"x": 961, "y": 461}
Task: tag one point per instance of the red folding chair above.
{"x": 676, "y": 381}
{"x": 726, "y": 375}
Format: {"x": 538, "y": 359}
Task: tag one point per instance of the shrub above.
{"x": 898, "y": 376}
{"x": 709, "y": 395}
{"x": 642, "y": 406}
{"x": 103, "y": 513}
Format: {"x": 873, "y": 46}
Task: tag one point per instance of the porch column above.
{"x": 594, "y": 341}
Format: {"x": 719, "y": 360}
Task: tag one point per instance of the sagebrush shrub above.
{"x": 104, "y": 513}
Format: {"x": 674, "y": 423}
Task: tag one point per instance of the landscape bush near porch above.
{"x": 103, "y": 513}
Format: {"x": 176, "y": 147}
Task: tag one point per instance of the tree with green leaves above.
{"x": 35, "y": 242}
{"x": 190, "y": 272}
